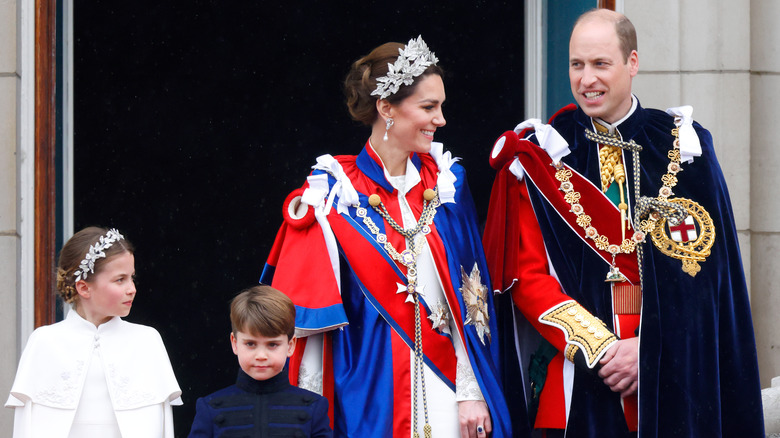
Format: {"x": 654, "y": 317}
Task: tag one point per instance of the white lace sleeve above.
{"x": 310, "y": 371}
{"x": 466, "y": 385}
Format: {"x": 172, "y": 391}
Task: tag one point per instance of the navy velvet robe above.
{"x": 698, "y": 374}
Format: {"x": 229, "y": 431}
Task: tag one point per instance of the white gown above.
{"x": 76, "y": 380}
{"x": 442, "y": 402}
{"x": 95, "y": 416}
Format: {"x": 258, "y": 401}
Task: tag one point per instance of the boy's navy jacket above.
{"x": 261, "y": 408}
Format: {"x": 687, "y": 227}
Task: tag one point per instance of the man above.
{"x": 612, "y": 230}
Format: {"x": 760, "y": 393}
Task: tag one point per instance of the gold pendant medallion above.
{"x": 689, "y": 241}
{"x": 614, "y": 275}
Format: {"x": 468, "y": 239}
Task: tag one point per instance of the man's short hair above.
{"x": 624, "y": 29}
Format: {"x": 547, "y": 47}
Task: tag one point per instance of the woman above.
{"x": 381, "y": 255}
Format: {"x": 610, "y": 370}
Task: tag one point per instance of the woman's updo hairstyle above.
{"x": 361, "y": 82}
{"x": 75, "y": 250}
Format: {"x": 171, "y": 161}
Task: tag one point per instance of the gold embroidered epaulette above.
{"x": 584, "y": 332}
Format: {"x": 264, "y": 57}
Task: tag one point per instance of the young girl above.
{"x": 93, "y": 374}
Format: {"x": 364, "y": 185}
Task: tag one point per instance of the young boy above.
{"x": 262, "y": 402}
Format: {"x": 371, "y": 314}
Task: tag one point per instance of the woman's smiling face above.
{"x": 417, "y": 117}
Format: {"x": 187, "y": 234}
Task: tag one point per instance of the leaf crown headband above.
{"x": 412, "y": 61}
{"x": 97, "y": 251}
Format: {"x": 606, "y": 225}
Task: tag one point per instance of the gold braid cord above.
{"x": 609, "y": 157}
{"x": 582, "y": 330}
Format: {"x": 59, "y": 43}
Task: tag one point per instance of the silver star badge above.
{"x": 475, "y": 298}
{"x": 440, "y": 317}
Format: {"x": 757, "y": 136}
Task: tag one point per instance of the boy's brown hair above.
{"x": 263, "y": 310}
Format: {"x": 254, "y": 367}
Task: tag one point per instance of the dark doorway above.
{"x": 194, "y": 120}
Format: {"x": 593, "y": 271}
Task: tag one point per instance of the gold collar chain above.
{"x": 661, "y": 205}
{"x": 584, "y": 220}
{"x": 408, "y": 258}
{"x": 627, "y": 246}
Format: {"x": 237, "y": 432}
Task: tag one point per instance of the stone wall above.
{"x": 10, "y": 82}
{"x": 765, "y": 204}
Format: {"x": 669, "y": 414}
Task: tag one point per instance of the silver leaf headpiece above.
{"x": 412, "y": 61}
{"x": 97, "y": 251}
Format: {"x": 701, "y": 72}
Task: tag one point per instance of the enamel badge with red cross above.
{"x": 689, "y": 241}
